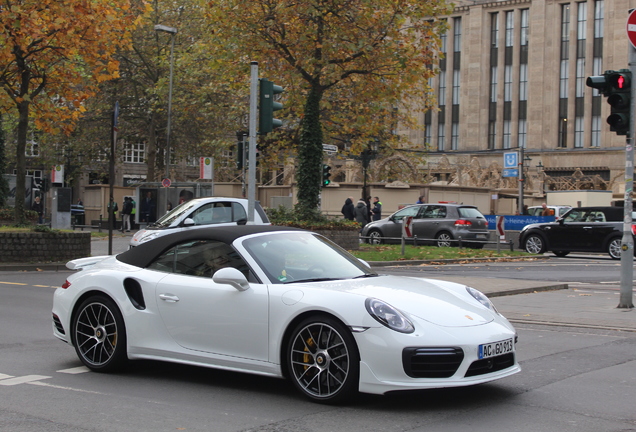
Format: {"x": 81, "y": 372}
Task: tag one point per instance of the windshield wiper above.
{"x": 312, "y": 280}
{"x": 366, "y": 275}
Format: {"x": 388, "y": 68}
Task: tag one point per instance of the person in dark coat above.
{"x": 347, "y": 209}
{"x": 361, "y": 212}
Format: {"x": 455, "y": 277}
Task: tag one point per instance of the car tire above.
{"x": 534, "y": 244}
{"x": 444, "y": 239}
{"x": 561, "y": 253}
{"x": 375, "y": 237}
{"x": 614, "y": 248}
{"x": 99, "y": 334}
{"x": 323, "y": 361}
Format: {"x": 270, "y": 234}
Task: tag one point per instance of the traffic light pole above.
{"x": 627, "y": 242}
{"x": 251, "y": 161}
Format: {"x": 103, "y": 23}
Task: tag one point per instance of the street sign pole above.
{"x": 627, "y": 242}
{"x": 251, "y": 183}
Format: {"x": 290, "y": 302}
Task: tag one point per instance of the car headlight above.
{"x": 481, "y": 298}
{"x": 388, "y": 316}
{"x": 148, "y": 236}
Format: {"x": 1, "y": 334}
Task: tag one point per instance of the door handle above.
{"x": 169, "y": 298}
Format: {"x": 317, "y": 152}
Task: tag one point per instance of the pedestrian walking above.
{"x": 421, "y": 199}
{"x": 112, "y": 208}
{"x": 125, "y": 212}
{"x": 347, "y": 209}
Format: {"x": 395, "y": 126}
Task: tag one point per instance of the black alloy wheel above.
{"x": 99, "y": 334}
{"x": 323, "y": 360}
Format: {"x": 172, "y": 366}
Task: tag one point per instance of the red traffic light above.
{"x": 620, "y": 81}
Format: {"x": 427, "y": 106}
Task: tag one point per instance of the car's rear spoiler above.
{"x": 82, "y": 263}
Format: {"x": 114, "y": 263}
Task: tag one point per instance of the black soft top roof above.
{"x": 612, "y": 214}
{"x": 145, "y": 253}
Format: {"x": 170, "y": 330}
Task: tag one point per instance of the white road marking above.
{"x": 39, "y": 383}
{"x": 23, "y": 379}
{"x": 75, "y": 370}
{"x": 4, "y": 376}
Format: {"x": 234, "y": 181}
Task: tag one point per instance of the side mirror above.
{"x": 188, "y": 222}
{"x": 231, "y": 276}
{"x": 241, "y": 222}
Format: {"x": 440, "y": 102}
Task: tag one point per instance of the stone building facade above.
{"x": 513, "y": 75}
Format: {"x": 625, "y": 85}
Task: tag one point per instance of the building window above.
{"x": 456, "y": 86}
{"x": 441, "y": 136}
{"x": 492, "y": 134}
{"x": 523, "y": 131}
{"x": 457, "y": 35}
{"x": 523, "y": 35}
{"x": 523, "y": 82}
{"x": 596, "y": 131}
{"x": 506, "y": 133}
{"x": 578, "y": 132}
{"x": 494, "y": 30}
{"x": 441, "y": 92}
{"x": 507, "y": 83}
{"x": 493, "y": 84}
{"x": 454, "y": 136}
{"x": 510, "y": 27}
{"x": 135, "y": 153}
{"x": 32, "y": 149}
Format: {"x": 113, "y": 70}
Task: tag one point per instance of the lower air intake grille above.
{"x": 441, "y": 362}
{"x": 492, "y": 364}
{"x": 58, "y": 324}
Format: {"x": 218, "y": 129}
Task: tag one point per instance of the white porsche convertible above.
{"x": 281, "y": 302}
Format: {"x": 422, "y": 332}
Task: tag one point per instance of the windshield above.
{"x": 303, "y": 257}
{"x": 175, "y": 213}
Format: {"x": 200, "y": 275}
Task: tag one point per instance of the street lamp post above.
{"x": 367, "y": 155}
{"x": 173, "y": 32}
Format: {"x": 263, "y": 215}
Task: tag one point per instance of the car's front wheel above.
{"x": 444, "y": 239}
{"x": 375, "y": 237}
{"x": 534, "y": 244}
{"x": 99, "y": 334}
{"x": 614, "y": 248}
{"x": 323, "y": 360}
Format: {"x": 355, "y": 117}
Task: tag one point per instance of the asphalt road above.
{"x": 572, "y": 379}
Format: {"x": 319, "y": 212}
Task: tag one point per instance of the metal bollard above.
{"x": 460, "y": 242}
{"x": 415, "y": 241}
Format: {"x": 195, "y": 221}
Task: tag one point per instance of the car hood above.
{"x": 442, "y": 303}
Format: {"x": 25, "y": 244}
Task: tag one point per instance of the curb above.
{"x": 451, "y": 261}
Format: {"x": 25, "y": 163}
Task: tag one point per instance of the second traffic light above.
{"x": 619, "y": 98}
{"x": 616, "y": 86}
{"x": 267, "y": 106}
{"x": 326, "y": 173}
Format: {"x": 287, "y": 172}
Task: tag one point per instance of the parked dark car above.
{"x": 442, "y": 224}
{"x": 583, "y": 229}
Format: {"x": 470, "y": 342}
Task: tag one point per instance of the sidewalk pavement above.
{"x": 521, "y": 301}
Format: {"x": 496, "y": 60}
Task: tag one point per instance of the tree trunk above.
{"x": 151, "y": 161}
{"x": 310, "y": 153}
{"x": 20, "y": 189}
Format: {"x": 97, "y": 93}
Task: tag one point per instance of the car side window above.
{"x": 408, "y": 211}
{"x": 202, "y": 215}
{"x": 238, "y": 212}
{"x": 200, "y": 258}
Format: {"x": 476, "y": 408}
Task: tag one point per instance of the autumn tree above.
{"x": 53, "y": 53}
{"x": 376, "y": 54}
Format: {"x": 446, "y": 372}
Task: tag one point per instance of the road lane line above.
{"x": 75, "y": 370}
{"x": 43, "y": 384}
{"x": 5, "y": 376}
{"x": 12, "y": 283}
{"x": 23, "y": 379}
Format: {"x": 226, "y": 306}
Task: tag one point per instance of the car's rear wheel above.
{"x": 323, "y": 360}
{"x": 561, "y": 253}
{"x": 614, "y": 248}
{"x": 443, "y": 239}
{"x": 375, "y": 237}
{"x": 99, "y": 334}
{"x": 534, "y": 244}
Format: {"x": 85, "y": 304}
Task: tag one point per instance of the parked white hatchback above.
{"x": 201, "y": 213}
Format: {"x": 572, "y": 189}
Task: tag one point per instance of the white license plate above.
{"x": 496, "y": 348}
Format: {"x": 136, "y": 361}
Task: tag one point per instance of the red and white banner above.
{"x": 206, "y": 170}
{"x": 57, "y": 174}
